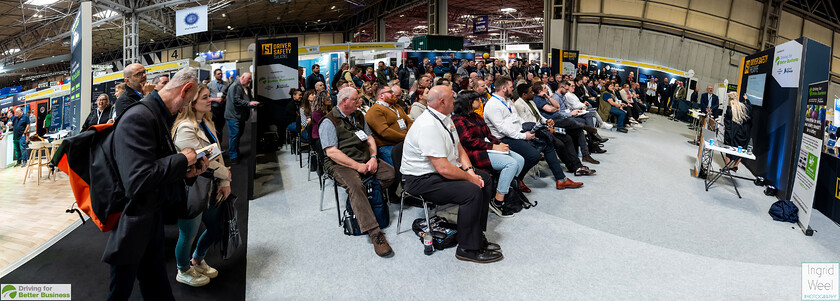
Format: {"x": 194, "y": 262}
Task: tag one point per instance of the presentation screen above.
{"x": 755, "y": 89}
{"x": 643, "y": 78}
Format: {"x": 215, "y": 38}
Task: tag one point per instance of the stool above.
{"x": 39, "y": 156}
{"x": 53, "y": 148}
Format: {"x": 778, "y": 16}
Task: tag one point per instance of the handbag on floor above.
{"x": 379, "y": 206}
{"x": 231, "y": 238}
{"x": 444, "y": 233}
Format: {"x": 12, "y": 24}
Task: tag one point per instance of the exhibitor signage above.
{"x": 276, "y": 68}
{"x": 191, "y": 20}
{"x": 807, "y": 165}
{"x": 35, "y": 292}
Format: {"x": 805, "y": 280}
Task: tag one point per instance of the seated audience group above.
{"x": 469, "y": 134}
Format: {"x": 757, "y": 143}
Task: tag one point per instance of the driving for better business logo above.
{"x": 35, "y": 292}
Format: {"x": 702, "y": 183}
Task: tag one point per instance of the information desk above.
{"x": 827, "y": 194}
{"x": 713, "y": 176}
{"x": 7, "y": 151}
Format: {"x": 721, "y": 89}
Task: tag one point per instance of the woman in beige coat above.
{"x": 194, "y": 128}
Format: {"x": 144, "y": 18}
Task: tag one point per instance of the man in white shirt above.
{"x": 504, "y": 123}
{"x": 436, "y": 167}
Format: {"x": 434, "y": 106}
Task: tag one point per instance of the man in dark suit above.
{"x": 153, "y": 174}
{"x": 665, "y": 91}
{"x": 315, "y": 77}
{"x": 100, "y": 115}
{"x": 134, "y": 76}
{"x": 237, "y": 111}
{"x": 709, "y": 102}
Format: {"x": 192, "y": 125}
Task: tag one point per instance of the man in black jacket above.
{"x": 134, "y": 76}
{"x": 315, "y": 77}
{"x": 237, "y": 111}
{"x": 153, "y": 175}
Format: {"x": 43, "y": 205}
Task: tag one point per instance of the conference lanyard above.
{"x": 98, "y": 115}
{"x": 444, "y": 127}
{"x": 219, "y": 87}
{"x": 387, "y": 105}
{"x": 207, "y": 131}
{"x": 504, "y": 103}
{"x": 138, "y": 93}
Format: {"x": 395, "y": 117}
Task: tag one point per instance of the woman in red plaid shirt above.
{"x": 486, "y": 151}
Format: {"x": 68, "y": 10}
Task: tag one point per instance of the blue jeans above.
{"x": 510, "y": 165}
{"x": 620, "y": 115}
{"x": 235, "y": 134}
{"x": 24, "y": 150}
{"x": 530, "y": 152}
{"x": 187, "y": 231}
{"x": 384, "y": 153}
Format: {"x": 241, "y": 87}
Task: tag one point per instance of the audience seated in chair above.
{"x": 351, "y": 153}
{"x": 436, "y": 167}
{"x": 388, "y": 122}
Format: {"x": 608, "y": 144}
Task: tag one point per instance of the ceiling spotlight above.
{"x": 223, "y": 15}
{"x": 333, "y": 7}
{"x": 11, "y": 51}
{"x": 402, "y": 16}
{"x": 152, "y": 40}
{"x": 40, "y": 2}
{"x": 319, "y": 20}
{"x": 508, "y": 10}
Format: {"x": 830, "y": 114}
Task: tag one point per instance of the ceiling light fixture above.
{"x": 40, "y": 2}
{"x": 105, "y": 14}
{"x": 223, "y": 15}
{"x": 333, "y": 7}
{"x": 508, "y": 10}
{"x": 11, "y": 51}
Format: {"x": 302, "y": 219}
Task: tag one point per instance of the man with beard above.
{"x": 134, "y": 76}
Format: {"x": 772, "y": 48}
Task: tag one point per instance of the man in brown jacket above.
{"x": 388, "y": 121}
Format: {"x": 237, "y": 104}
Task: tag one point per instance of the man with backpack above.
{"x": 351, "y": 153}
{"x": 153, "y": 175}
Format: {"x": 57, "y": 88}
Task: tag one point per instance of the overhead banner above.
{"x": 276, "y": 68}
{"x": 569, "y": 62}
{"x": 191, "y": 20}
{"x": 810, "y": 149}
{"x": 481, "y": 25}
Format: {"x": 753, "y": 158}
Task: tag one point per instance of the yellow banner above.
{"x": 634, "y": 64}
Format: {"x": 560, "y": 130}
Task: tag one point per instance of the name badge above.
{"x": 568, "y": 111}
{"x": 361, "y": 134}
{"x": 219, "y": 94}
{"x": 401, "y": 123}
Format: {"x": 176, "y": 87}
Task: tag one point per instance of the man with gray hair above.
{"x": 136, "y": 87}
{"x": 237, "y": 111}
{"x": 351, "y": 154}
{"x": 153, "y": 175}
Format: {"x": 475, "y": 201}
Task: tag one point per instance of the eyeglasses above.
{"x": 140, "y": 73}
{"x": 392, "y": 92}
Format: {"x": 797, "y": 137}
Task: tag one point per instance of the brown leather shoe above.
{"x": 589, "y": 159}
{"x": 380, "y": 245}
{"x": 584, "y": 171}
{"x": 568, "y": 183}
{"x": 523, "y": 188}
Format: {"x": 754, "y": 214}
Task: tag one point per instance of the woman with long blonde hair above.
{"x": 737, "y": 122}
{"x": 194, "y": 128}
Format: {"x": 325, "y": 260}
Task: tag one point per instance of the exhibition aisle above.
{"x": 642, "y": 228}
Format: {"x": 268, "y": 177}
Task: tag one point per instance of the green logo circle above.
{"x": 9, "y": 291}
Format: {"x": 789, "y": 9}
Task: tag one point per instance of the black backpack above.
{"x": 784, "y": 211}
{"x": 379, "y": 206}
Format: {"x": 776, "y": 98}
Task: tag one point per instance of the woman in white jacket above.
{"x": 194, "y": 128}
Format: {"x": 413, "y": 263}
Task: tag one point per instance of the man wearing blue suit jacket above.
{"x": 707, "y": 106}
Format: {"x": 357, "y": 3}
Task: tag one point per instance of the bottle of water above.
{"x": 428, "y": 248}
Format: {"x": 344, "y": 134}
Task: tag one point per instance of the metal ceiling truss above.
{"x": 375, "y": 11}
{"x": 822, "y": 9}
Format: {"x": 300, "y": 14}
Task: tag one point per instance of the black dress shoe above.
{"x": 596, "y": 149}
{"x": 623, "y": 130}
{"x": 479, "y": 256}
{"x": 489, "y": 245}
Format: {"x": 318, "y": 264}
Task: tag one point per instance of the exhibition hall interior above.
{"x": 407, "y": 149}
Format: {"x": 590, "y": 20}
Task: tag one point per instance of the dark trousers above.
{"x": 565, "y": 149}
{"x": 235, "y": 132}
{"x": 351, "y": 181}
{"x": 529, "y": 151}
{"x": 219, "y": 121}
{"x": 150, "y": 272}
{"x": 574, "y": 128}
{"x": 473, "y": 202}
{"x": 18, "y": 150}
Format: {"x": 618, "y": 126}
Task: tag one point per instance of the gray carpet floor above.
{"x": 641, "y": 229}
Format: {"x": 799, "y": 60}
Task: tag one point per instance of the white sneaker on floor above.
{"x": 633, "y": 121}
{"x": 643, "y": 116}
{"x": 638, "y": 125}
{"x": 192, "y": 278}
{"x": 606, "y": 126}
{"x": 206, "y": 270}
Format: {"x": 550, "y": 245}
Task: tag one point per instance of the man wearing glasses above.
{"x": 388, "y": 122}
{"x": 134, "y": 76}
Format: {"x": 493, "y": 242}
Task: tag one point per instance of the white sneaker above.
{"x": 606, "y": 126}
{"x": 633, "y": 121}
{"x": 192, "y": 278}
{"x": 643, "y": 116}
{"x": 638, "y": 125}
{"x": 206, "y": 270}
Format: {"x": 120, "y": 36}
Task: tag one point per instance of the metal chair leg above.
{"x": 337, "y": 205}
{"x": 402, "y": 206}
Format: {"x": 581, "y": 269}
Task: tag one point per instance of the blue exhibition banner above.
{"x": 481, "y": 25}
{"x": 66, "y": 111}
{"x": 212, "y": 55}
{"x": 55, "y": 112}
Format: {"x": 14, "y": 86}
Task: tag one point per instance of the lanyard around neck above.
{"x": 444, "y": 127}
{"x": 503, "y": 102}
